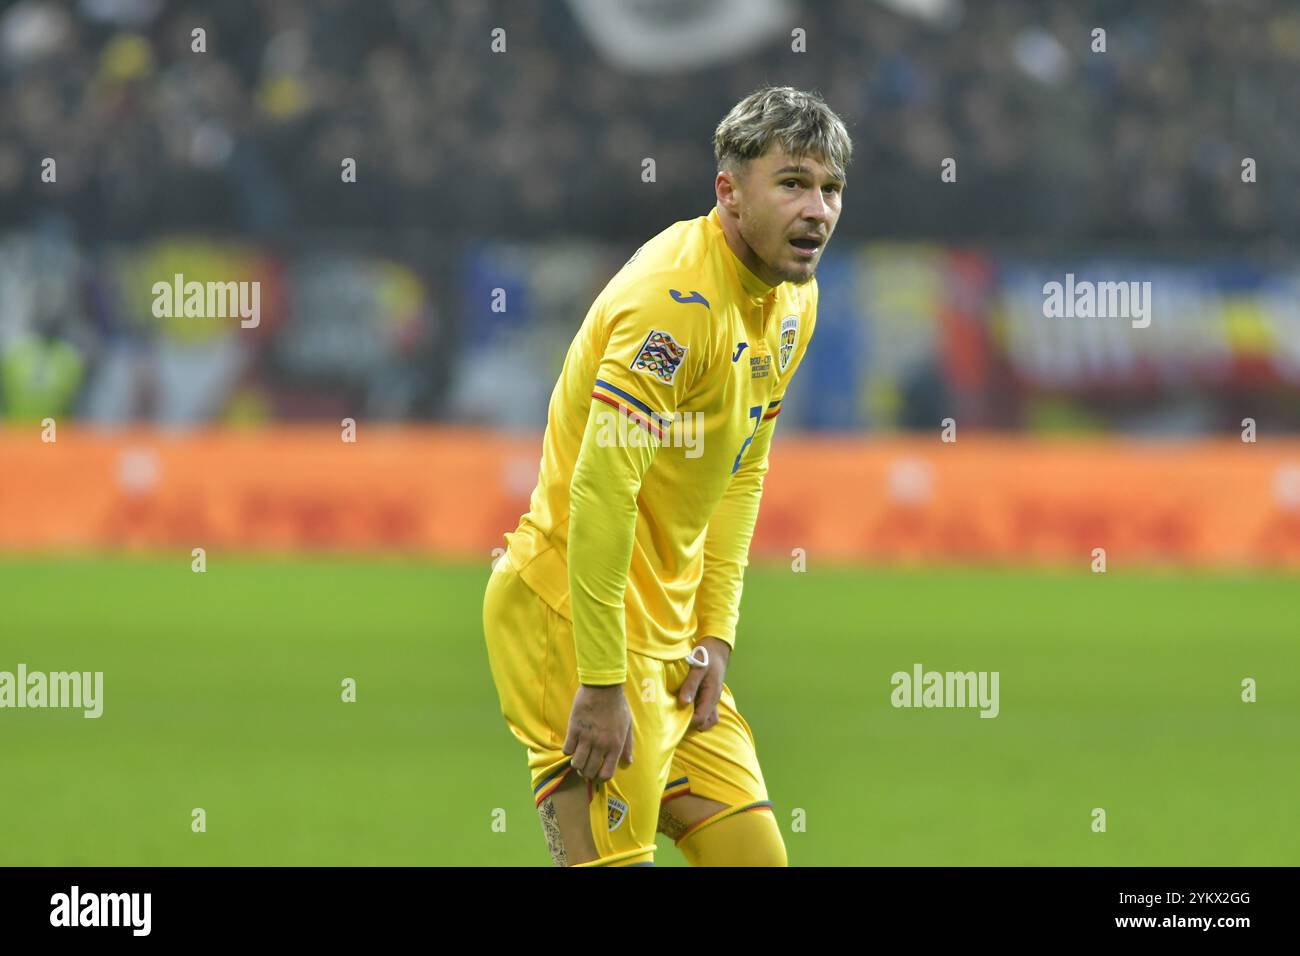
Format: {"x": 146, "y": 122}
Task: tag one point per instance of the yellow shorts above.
{"x": 531, "y": 653}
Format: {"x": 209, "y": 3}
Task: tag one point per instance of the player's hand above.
{"x": 600, "y": 732}
{"x": 703, "y": 685}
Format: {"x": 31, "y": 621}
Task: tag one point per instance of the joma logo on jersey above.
{"x": 685, "y": 299}
{"x": 789, "y": 338}
{"x": 617, "y": 813}
{"x": 660, "y": 356}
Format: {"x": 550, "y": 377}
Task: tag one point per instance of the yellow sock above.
{"x": 735, "y": 837}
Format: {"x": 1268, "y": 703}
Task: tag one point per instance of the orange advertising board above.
{"x": 454, "y": 492}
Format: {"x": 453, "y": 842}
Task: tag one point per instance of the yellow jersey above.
{"x": 655, "y": 449}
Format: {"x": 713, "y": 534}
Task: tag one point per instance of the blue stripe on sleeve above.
{"x": 630, "y": 399}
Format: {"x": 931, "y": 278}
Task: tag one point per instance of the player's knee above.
{"x": 748, "y": 838}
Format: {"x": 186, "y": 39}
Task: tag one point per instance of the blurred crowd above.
{"x": 144, "y": 138}
{"x": 1051, "y": 139}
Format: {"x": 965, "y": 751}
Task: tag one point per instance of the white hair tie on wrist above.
{"x": 703, "y": 660}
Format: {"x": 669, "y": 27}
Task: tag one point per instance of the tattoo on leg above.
{"x": 669, "y": 825}
{"x": 551, "y": 827}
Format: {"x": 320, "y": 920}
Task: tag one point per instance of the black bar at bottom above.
{"x": 334, "y": 905}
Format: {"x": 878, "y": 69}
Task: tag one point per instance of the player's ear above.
{"x": 725, "y": 186}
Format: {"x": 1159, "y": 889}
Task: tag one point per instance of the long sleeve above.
{"x": 646, "y": 368}
{"x": 731, "y": 526}
{"x": 602, "y": 528}
{"x": 726, "y": 543}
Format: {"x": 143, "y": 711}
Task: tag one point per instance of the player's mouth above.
{"x": 806, "y": 246}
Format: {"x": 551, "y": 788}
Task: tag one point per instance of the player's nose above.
{"x": 816, "y": 209}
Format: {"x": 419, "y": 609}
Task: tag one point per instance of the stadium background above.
{"x": 522, "y": 171}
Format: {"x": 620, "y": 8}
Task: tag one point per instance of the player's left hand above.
{"x": 703, "y": 685}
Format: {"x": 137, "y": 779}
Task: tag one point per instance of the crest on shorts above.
{"x": 789, "y": 338}
{"x": 617, "y": 812}
{"x": 660, "y": 356}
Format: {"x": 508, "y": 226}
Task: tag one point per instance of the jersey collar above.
{"x": 755, "y": 289}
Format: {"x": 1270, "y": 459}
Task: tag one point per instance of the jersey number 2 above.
{"x": 755, "y": 413}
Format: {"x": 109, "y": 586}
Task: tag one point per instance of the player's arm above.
{"x": 602, "y": 528}
{"x": 616, "y": 453}
{"x": 726, "y": 555}
{"x": 630, "y": 399}
{"x": 730, "y": 530}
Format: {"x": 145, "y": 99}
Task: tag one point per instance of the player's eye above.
{"x": 792, "y": 182}
{"x": 833, "y": 187}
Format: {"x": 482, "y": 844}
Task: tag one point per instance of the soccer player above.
{"x": 611, "y": 618}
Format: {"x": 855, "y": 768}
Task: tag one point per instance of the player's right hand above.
{"x": 600, "y": 732}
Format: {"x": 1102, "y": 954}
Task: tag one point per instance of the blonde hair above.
{"x": 801, "y": 123}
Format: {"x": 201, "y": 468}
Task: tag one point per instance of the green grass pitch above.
{"x": 222, "y": 691}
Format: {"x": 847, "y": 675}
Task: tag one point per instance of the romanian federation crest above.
{"x": 617, "y": 812}
{"x": 659, "y": 356}
{"x": 789, "y": 339}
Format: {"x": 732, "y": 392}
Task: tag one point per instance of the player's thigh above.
{"x": 621, "y": 814}
{"x": 566, "y": 822}
{"x": 515, "y": 631}
{"x": 679, "y": 814}
{"x": 531, "y": 656}
{"x": 713, "y": 773}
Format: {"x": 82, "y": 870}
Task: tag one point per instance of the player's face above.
{"x": 787, "y": 208}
